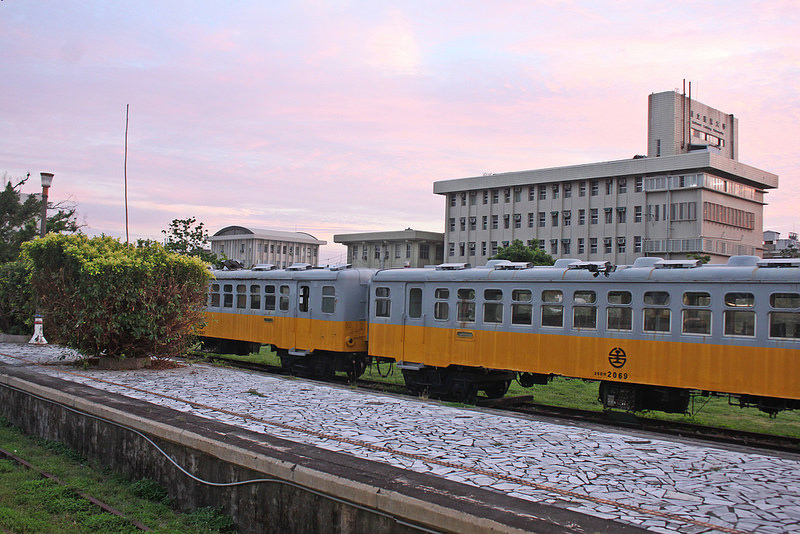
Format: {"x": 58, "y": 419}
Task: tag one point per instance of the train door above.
{"x": 285, "y": 316}
{"x": 304, "y": 330}
{"x": 413, "y": 332}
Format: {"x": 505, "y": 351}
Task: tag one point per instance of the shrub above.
{"x": 106, "y": 298}
{"x": 16, "y": 299}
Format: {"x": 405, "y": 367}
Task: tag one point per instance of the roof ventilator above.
{"x": 677, "y": 264}
{"x": 340, "y": 267}
{"x": 507, "y": 265}
{"x": 777, "y": 263}
{"x": 264, "y": 267}
{"x": 300, "y": 267}
{"x": 452, "y": 266}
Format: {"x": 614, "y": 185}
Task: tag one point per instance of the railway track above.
{"x": 613, "y": 419}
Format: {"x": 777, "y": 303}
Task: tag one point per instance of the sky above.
{"x": 333, "y": 117}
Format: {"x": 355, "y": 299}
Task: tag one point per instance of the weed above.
{"x": 149, "y": 489}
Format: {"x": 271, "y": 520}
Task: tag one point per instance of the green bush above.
{"x": 16, "y": 299}
{"x": 106, "y": 298}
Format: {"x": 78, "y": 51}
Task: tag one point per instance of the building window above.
{"x": 494, "y": 222}
{"x": 452, "y": 200}
{"x": 452, "y": 224}
{"x": 639, "y": 185}
{"x": 507, "y": 195}
{"x": 472, "y": 248}
{"x": 567, "y": 190}
{"x": 581, "y": 217}
{"x": 463, "y": 199}
{"x": 595, "y": 188}
{"x": 637, "y": 214}
{"x": 531, "y": 220}
{"x": 581, "y": 246}
{"x": 567, "y": 214}
{"x": 517, "y": 194}
{"x": 486, "y": 197}
{"x": 462, "y": 249}
{"x": 554, "y": 218}
{"x": 554, "y": 246}
{"x": 355, "y": 251}
{"x": 609, "y": 216}
{"x": 531, "y": 193}
{"x": 609, "y": 186}
{"x": 542, "y": 192}
{"x": 621, "y": 215}
{"x": 506, "y": 221}
{"x": 483, "y": 248}
{"x": 424, "y": 251}
{"x": 463, "y": 223}
{"x": 485, "y": 222}
{"x": 637, "y": 243}
{"x": 607, "y": 245}
{"x": 621, "y": 245}
{"x": 622, "y": 186}
{"x": 494, "y": 248}
{"x": 408, "y": 250}
{"x": 397, "y": 250}
{"x": 377, "y": 252}
{"x": 517, "y": 220}
{"x": 581, "y": 189}
{"x": 451, "y": 249}
{"x": 542, "y": 219}
{"x": 473, "y": 198}
{"x": 593, "y": 216}
{"x": 495, "y": 196}
{"x": 555, "y": 191}
{"x": 565, "y": 246}
{"x": 592, "y": 245}
{"x": 473, "y": 221}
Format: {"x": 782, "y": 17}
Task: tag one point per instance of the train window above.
{"x": 492, "y": 311}
{"x": 656, "y": 319}
{"x": 521, "y": 313}
{"x": 304, "y": 298}
{"x": 656, "y": 298}
{"x": 739, "y": 300}
{"x": 521, "y": 295}
{"x": 696, "y": 299}
{"x": 620, "y": 318}
{"x": 619, "y": 297}
{"x": 383, "y": 305}
{"x": 284, "y": 302}
{"x": 784, "y": 324}
{"x": 696, "y": 321}
{"x": 269, "y": 298}
{"x": 584, "y": 316}
{"x": 784, "y": 300}
{"x": 241, "y": 296}
{"x": 442, "y": 293}
{"x": 441, "y": 310}
{"x": 552, "y": 315}
{"x": 328, "y": 299}
{"x": 552, "y": 295}
{"x": 255, "y": 297}
{"x": 214, "y": 295}
{"x": 466, "y": 305}
{"x": 415, "y": 302}
{"x": 739, "y": 322}
{"x": 227, "y": 296}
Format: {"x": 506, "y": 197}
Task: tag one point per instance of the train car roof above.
{"x": 649, "y": 269}
{"x": 298, "y": 273}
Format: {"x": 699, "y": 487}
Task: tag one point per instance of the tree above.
{"x": 790, "y": 251}
{"x": 704, "y": 258}
{"x": 20, "y": 218}
{"x": 517, "y": 251}
{"x": 185, "y": 238}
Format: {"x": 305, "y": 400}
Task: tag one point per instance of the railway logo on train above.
{"x": 718, "y": 329}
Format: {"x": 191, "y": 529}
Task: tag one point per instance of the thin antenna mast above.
{"x": 125, "y": 171}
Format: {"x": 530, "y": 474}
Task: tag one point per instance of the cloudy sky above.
{"x": 335, "y": 117}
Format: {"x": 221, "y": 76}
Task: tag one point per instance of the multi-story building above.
{"x": 689, "y": 195}
{"x": 385, "y": 250}
{"x": 775, "y": 247}
{"x": 251, "y": 246}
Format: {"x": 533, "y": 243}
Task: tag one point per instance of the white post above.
{"x": 38, "y": 331}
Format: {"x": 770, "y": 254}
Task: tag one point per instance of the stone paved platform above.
{"x": 659, "y": 484}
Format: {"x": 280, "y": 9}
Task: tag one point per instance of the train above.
{"x": 653, "y": 334}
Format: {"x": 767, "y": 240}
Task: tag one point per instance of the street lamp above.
{"x": 47, "y": 180}
{"x": 38, "y": 323}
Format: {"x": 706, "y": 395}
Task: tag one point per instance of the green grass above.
{"x": 31, "y": 503}
{"x": 582, "y": 394}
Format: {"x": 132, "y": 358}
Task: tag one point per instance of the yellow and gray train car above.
{"x": 652, "y": 333}
{"x": 315, "y": 319}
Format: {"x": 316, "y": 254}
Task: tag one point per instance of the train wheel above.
{"x": 464, "y": 391}
{"x": 356, "y": 369}
{"x": 497, "y": 389}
